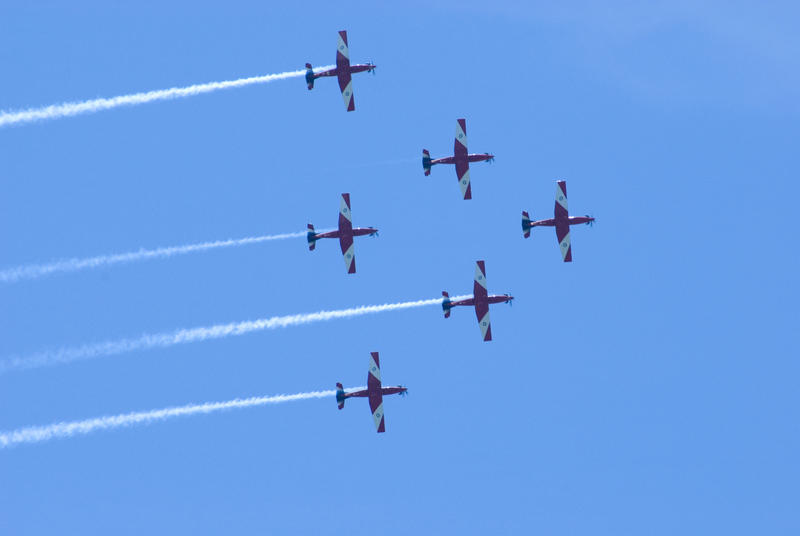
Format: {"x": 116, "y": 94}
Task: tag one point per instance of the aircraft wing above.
{"x": 461, "y": 160}
{"x": 480, "y": 295}
{"x": 343, "y": 71}
{"x": 346, "y": 234}
{"x": 375, "y": 393}
{"x": 562, "y": 234}
{"x": 348, "y": 251}
{"x": 562, "y": 221}
{"x": 561, "y": 210}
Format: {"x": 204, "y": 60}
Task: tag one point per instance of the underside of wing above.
{"x": 479, "y": 289}
{"x": 482, "y": 312}
{"x": 374, "y": 373}
{"x": 348, "y": 250}
{"x": 346, "y": 234}
{"x": 480, "y": 295}
{"x": 462, "y": 172}
{"x": 376, "y": 405}
{"x": 342, "y": 50}
{"x": 343, "y": 71}
{"x": 346, "y": 85}
{"x": 562, "y": 234}
{"x": 562, "y": 221}
{"x": 561, "y": 211}
{"x": 375, "y": 393}
{"x": 345, "y": 217}
{"x": 461, "y": 159}
{"x": 461, "y": 137}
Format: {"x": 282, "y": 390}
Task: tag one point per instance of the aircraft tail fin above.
{"x": 526, "y": 224}
{"x": 309, "y": 76}
{"x": 311, "y": 237}
{"x": 426, "y": 162}
{"x": 446, "y": 304}
{"x": 340, "y": 395}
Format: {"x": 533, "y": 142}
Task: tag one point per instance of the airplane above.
{"x": 460, "y": 158}
{"x": 561, "y": 222}
{"x": 374, "y": 392}
{"x": 345, "y": 234}
{"x": 480, "y": 299}
{"x": 342, "y": 71}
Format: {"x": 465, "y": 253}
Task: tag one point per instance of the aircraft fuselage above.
{"x": 358, "y": 68}
{"x": 353, "y": 231}
{"x": 570, "y": 220}
{"x": 364, "y": 393}
{"x": 479, "y": 301}
{"x": 470, "y": 158}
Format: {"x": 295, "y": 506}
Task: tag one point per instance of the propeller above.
{"x": 374, "y": 234}
{"x": 490, "y": 160}
{"x": 372, "y": 67}
{"x": 590, "y": 223}
{"x": 404, "y": 393}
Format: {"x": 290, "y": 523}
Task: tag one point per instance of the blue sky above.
{"x": 648, "y": 387}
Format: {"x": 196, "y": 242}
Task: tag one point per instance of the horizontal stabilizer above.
{"x": 340, "y": 395}
{"x": 309, "y": 76}
{"x": 311, "y": 236}
{"x": 526, "y": 224}
{"x": 426, "y": 162}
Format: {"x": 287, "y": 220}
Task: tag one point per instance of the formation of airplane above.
{"x": 561, "y": 221}
{"x": 480, "y": 300}
{"x": 374, "y": 391}
{"x": 343, "y": 71}
{"x": 344, "y": 233}
{"x": 460, "y": 158}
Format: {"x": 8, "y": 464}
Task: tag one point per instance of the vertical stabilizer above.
{"x": 526, "y": 224}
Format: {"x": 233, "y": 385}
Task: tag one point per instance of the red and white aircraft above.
{"x": 345, "y": 234}
{"x": 374, "y": 392}
{"x": 561, "y": 222}
{"x": 343, "y": 71}
{"x": 480, "y": 299}
{"x": 460, "y": 158}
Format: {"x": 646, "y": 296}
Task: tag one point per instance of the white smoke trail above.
{"x": 36, "y": 434}
{"x": 68, "y": 109}
{"x": 182, "y": 336}
{"x": 33, "y": 271}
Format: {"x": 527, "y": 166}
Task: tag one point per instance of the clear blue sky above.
{"x": 650, "y": 387}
